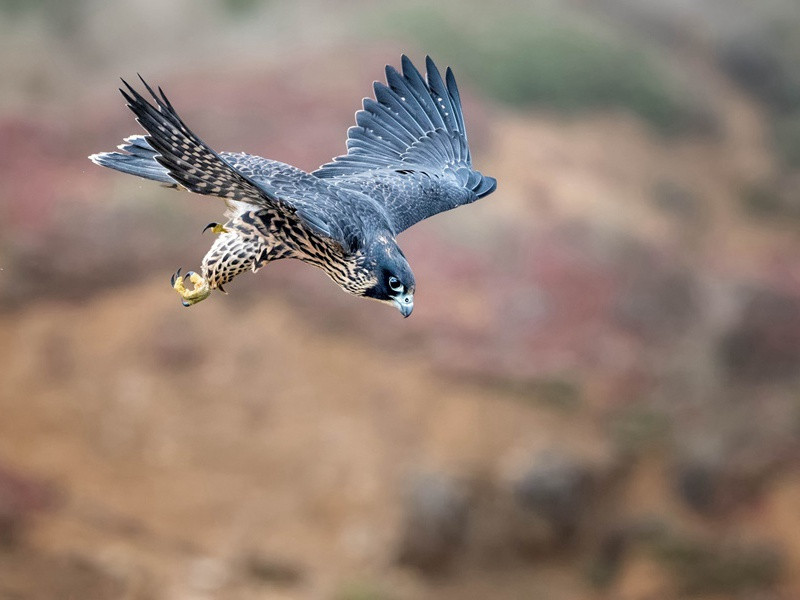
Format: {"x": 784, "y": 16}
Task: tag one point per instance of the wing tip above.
{"x": 429, "y": 64}
{"x": 486, "y": 186}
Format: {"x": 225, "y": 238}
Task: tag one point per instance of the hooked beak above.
{"x": 405, "y": 304}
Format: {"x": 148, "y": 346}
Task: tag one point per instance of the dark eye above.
{"x": 395, "y": 284}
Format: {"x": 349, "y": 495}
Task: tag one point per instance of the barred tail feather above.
{"x": 137, "y": 157}
{"x": 187, "y": 159}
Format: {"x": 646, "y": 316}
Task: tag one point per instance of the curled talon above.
{"x": 215, "y": 228}
{"x": 175, "y": 276}
{"x": 201, "y": 288}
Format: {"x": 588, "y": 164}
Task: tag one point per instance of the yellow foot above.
{"x": 200, "y": 292}
{"x": 216, "y": 228}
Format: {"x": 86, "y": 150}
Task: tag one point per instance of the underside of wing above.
{"x": 414, "y": 125}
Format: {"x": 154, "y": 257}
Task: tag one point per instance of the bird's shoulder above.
{"x": 345, "y": 211}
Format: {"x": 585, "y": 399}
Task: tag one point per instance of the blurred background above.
{"x": 597, "y": 396}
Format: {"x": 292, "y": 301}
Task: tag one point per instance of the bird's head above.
{"x": 394, "y": 281}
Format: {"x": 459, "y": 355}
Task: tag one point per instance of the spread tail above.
{"x": 137, "y": 157}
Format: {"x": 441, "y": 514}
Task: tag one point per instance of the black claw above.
{"x": 209, "y": 226}
{"x": 175, "y": 276}
{"x": 185, "y": 303}
{"x": 189, "y": 274}
{"x": 221, "y": 289}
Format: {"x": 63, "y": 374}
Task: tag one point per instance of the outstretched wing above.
{"x": 191, "y": 163}
{"x": 411, "y": 142}
{"x": 138, "y": 157}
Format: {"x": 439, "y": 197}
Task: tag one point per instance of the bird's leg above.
{"x": 239, "y": 246}
{"x": 216, "y": 228}
{"x": 235, "y": 250}
{"x": 201, "y": 287}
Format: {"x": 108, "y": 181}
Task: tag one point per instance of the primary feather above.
{"x": 407, "y": 159}
{"x": 411, "y": 138}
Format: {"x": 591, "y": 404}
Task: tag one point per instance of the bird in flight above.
{"x": 407, "y": 159}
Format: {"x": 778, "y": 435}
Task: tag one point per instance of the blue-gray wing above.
{"x": 191, "y": 163}
{"x": 344, "y": 214}
{"x": 411, "y": 141}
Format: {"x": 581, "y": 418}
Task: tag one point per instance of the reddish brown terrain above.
{"x": 596, "y": 397}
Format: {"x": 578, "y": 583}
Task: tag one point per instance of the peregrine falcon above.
{"x": 407, "y": 159}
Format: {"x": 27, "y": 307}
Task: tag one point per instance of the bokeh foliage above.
{"x": 557, "y": 62}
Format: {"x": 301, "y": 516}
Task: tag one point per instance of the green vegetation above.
{"x": 765, "y": 61}
{"x": 639, "y": 428}
{"x": 361, "y": 590}
{"x": 704, "y": 568}
{"x": 559, "y": 393}
{"x": 240, "y": 8}
{"x": 15, "y": 7}
{"x": 63, "y": 19}
{"x": 766, "y": 200}
{"x": 787, "y": 139}
{"x": 550, "y": 61}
